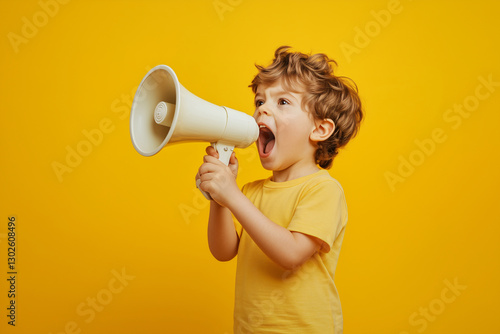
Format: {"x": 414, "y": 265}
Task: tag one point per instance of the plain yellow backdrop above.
{"x": 112, "y": 242}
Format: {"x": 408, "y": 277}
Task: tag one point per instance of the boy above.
{"x": 291, "y": 225}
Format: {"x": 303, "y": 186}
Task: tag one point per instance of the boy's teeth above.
{"x": 262, "y": 126}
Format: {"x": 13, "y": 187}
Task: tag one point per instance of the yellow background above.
{"x": 118, "y": 211}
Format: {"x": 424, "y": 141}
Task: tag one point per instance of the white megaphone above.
{"x": 164, "y": 112}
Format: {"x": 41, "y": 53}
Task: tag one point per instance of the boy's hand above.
{"x": 218, "y": 179}
{"x": 233, "y": 161}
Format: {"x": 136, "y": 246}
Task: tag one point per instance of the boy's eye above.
{"x": 283, "y": 102}
{"x": 258, "y": 103}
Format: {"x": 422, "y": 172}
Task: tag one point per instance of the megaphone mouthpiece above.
{"x": 164, "y": 113}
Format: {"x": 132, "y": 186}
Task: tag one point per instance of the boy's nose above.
{"x": 262, "y": 110}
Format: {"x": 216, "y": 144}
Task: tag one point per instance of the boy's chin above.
{"x": 266, "y": 163}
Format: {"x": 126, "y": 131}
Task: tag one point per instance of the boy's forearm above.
{"x": 222, "y": 237}
{"x": 277, "y": 242}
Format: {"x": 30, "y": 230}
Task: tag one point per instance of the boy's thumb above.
{"x": 212, "y": 151}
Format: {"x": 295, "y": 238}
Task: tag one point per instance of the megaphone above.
{"x": 164, "y": 112}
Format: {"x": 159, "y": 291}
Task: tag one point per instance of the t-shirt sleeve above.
{"x": 321, "y": 212}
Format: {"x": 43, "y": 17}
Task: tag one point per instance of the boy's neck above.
{"x": 292, "y": 173}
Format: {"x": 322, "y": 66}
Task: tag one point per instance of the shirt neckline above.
{"x": 268, "y": 183}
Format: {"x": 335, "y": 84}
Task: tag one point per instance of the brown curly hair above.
{"x": 325, "y": 95}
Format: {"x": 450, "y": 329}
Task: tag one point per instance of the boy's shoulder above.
{"x": 325, "y": 180}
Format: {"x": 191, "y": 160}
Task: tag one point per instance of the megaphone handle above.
{"x": 225, "y": 151}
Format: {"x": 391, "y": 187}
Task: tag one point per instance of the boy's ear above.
{"x": 323, "y": 130}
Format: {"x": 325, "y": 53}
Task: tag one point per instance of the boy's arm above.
{"x": 286, "y": 248}
{"x": 222, "y": 237}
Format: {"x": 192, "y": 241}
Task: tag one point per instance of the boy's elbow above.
{"x": 294, "y": 257}
{"x": 291, "y": 262}
{"x": 223, "y": 250}
{"x": 223, "y": 256}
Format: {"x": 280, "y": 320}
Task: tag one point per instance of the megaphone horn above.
{"x": 164, "y": 112}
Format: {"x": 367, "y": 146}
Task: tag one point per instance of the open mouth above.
{"x": 266, "y": 141}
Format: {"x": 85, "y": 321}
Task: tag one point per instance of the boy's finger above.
{"x": 206, "y": 177}
{"x": 204, "y": 169}
{"x": 233, "y": 159}
{"x": 211, "y": 151}
{"x": 212, "y": 165}
{"x": 212, "y": 160}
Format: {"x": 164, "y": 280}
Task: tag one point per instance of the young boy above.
{"x": 291, "y": 225}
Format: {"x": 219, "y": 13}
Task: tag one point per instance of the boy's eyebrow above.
{"x": 284, "y": 92}
{"x": 279, "y": 92}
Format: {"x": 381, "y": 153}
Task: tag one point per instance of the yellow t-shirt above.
{"x": 270, "y": 299}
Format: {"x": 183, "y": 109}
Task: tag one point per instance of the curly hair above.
{"x": 325, "y": 95}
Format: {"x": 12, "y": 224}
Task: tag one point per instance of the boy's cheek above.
{"x": 290, "y": 121}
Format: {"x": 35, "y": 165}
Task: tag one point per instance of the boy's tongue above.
{"x": 269, "y": 146}
{"x": 266, "y": 137}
